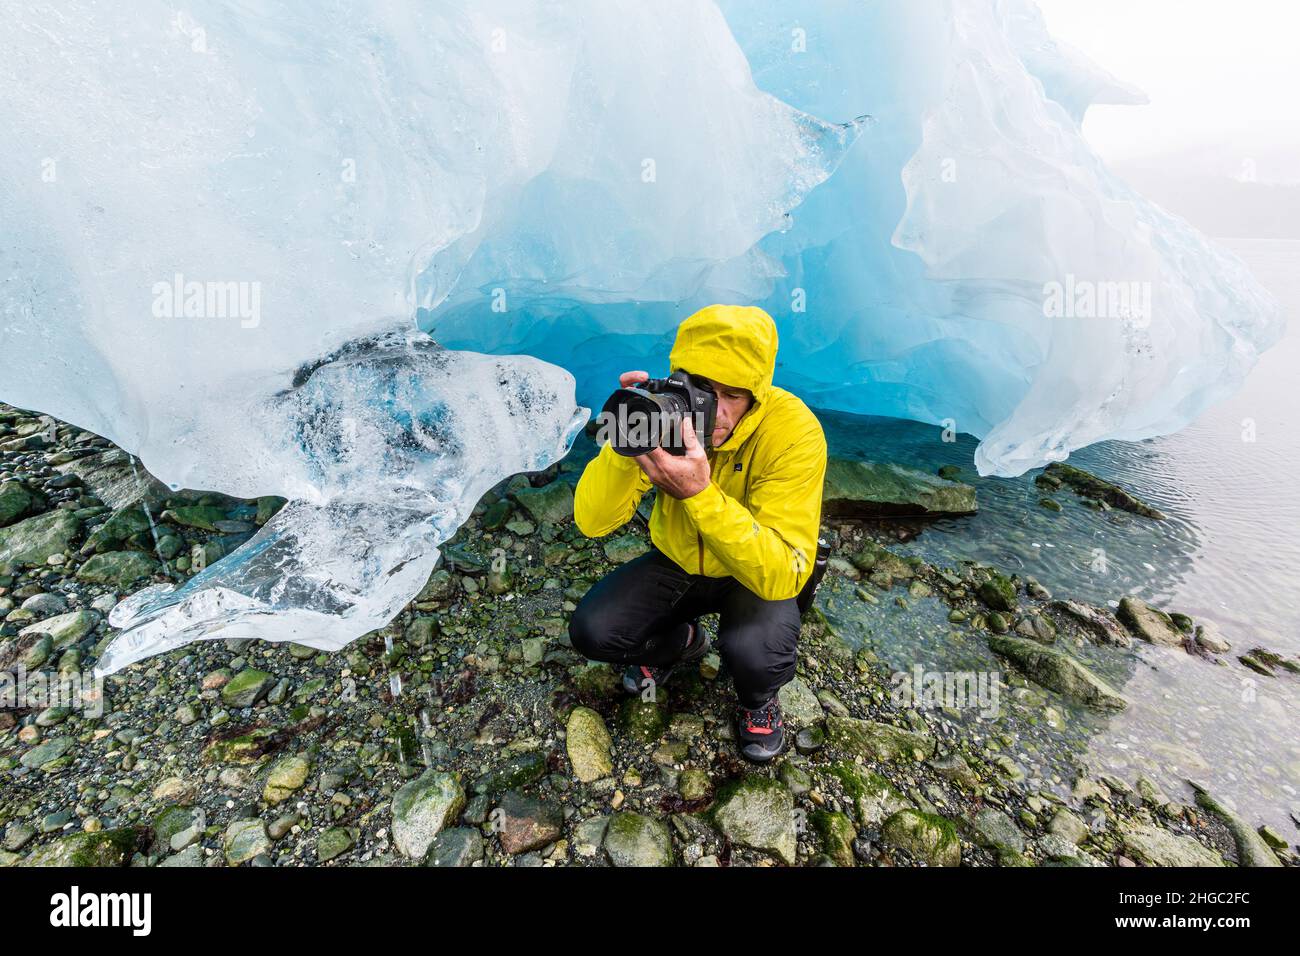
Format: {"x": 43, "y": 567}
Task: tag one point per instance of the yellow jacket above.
{"x": 759, "y": 518}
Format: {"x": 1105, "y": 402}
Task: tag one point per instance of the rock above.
{"x": 1099, "y": 623}
{"x": 333, "y": 842}
{"x": 246, "y": 688}
{"x": 244, "y": 840}
{"x": 624, "y": 548}
{"x": 1058, "y": 671}
{"x": 17, "y": 501}
{"x": 876, "y": 741}
{"x": 121, "y": 569}
{"x": 102, "y": 848}
{"x": 994, "y": 829}
{"x": 588, "y": 743}
{"x": 550, "y": 504}
{"x": 1209, "y": 637}
{"x": 758, "y": 812}
{"x": 525, "y": 824}
{"x": 204, "y": 517}
{"x": 422, "y": 808}
{"x": 34, "y": 540}
{"x": 1251, "y": 848}
{"x": 1146, "y": 622}
{"x": 1156, "y": 846}
{"x": 117, "y": 530}
{"x": 642, "y": 720}
{"x": 860, "y": 489}
{"x": 694, "y": 784}
{"x": 999, "y": 593}
{"x": 460, "y": 846}
{"x": 1066, "y": 825}
{"x": 519, "y": 771}
{"x": 190, "y": 856}
{"x": 43, "y": 753}
{"x": 837, "y": 835}
{"x": 926, "y": 836}
{"x": 799, "y": 704}
{"x": 1087, "y": 485}
{"x": 287, "y": 776}
{"x": 65, "y": 629}
{"x": 632, "y": 839}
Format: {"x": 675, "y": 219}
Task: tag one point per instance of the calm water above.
{"x": 1229, "y": 552}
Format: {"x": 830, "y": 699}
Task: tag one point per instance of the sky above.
{"x": 1223, "y": 77}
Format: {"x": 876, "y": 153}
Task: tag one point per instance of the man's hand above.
{"x": 681, "y": 476}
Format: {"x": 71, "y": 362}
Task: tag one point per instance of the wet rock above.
{"x": 1209, "y": 637}
{"x": 694, "y": 784}
{"x": 624, "y": 548}
{"x": 1156, "y": 846}
{"x": 550, "y": 504}
{"x": 120, "y": 569}
{"x": 758, "y": 812}
{"x": 799, "y": 704}
{"x": 246, "y": 688}
{"x": 524, "y": 823}
{"x": 1066, "y": 825}
{"x": 632, "y": 839}
{"x": 927, "y": 836}
{"x": 244, "y": 840}
{"x": 103, "y": 848}
{"x": 877, "y": 741}
{"x": 994, "y": 829}
{"x": 860, "y": 489}
{"x": 1100, "y": 624}
{"x": 518, "y": 771}
{"x": 64, "y": 629}
{"x": 588, "y": 744}
{"x": 836, "y": 833}
{"x": 460, "y": 846}
{"x": 333, "y": 842}
{"x": 999, "y": 593}
{"x": 1152, "y": 625}
{"x": 1087, "y": 485}
{"x": 1059, "y": 672}
{"x": 642, "y": 720}
{"x": 1251, "y": 848}
{"x": 46, "y": 752}
{"x": 18, "y": 501}
{"x": 287, "y": 776}
{"x": 34, "y": 540}
{"x": 422, "y": 808}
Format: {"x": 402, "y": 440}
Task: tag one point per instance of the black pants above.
{"x": 638, "y": 614}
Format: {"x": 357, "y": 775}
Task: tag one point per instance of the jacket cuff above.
{"x": 704, "y": 504}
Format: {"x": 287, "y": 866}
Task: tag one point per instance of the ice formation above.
{"x": 225, "y": 232}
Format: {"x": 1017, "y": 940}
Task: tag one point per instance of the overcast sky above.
{"x": 1222, "y": 74}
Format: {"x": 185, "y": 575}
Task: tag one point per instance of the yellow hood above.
{"x": 731, "y": 344}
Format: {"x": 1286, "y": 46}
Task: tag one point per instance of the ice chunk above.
{"x": 390, "y": 442}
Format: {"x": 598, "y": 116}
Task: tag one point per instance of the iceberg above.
{"x": 376, "y": 257}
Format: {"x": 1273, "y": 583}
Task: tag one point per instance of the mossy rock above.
{"x": 926, "y": 836}
{"x": 105, "y": 848}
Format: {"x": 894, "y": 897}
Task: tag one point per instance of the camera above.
{"x": 643, "y": 417}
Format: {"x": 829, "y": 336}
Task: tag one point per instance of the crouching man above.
{"x": 734, "y": 529}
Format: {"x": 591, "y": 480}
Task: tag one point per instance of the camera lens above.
{"x": 636, "y": 421}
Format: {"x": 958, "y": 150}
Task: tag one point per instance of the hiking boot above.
{"x": 760, "y": 732}
{"x": 635, "y": 677}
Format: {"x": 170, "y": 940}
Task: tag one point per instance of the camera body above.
{"x": 643, "y": 417}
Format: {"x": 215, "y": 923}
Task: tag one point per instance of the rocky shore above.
{"x": 469, "y": 732}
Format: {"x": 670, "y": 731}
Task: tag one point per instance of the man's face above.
{"x": 733, "y": 402}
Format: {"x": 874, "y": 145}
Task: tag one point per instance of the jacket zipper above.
{"x": 701, "y": 540}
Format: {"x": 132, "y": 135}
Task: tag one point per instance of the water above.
{"x": 1227, "y": 553}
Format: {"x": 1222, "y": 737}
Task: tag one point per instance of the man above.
{"x": 734, "y": 529}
